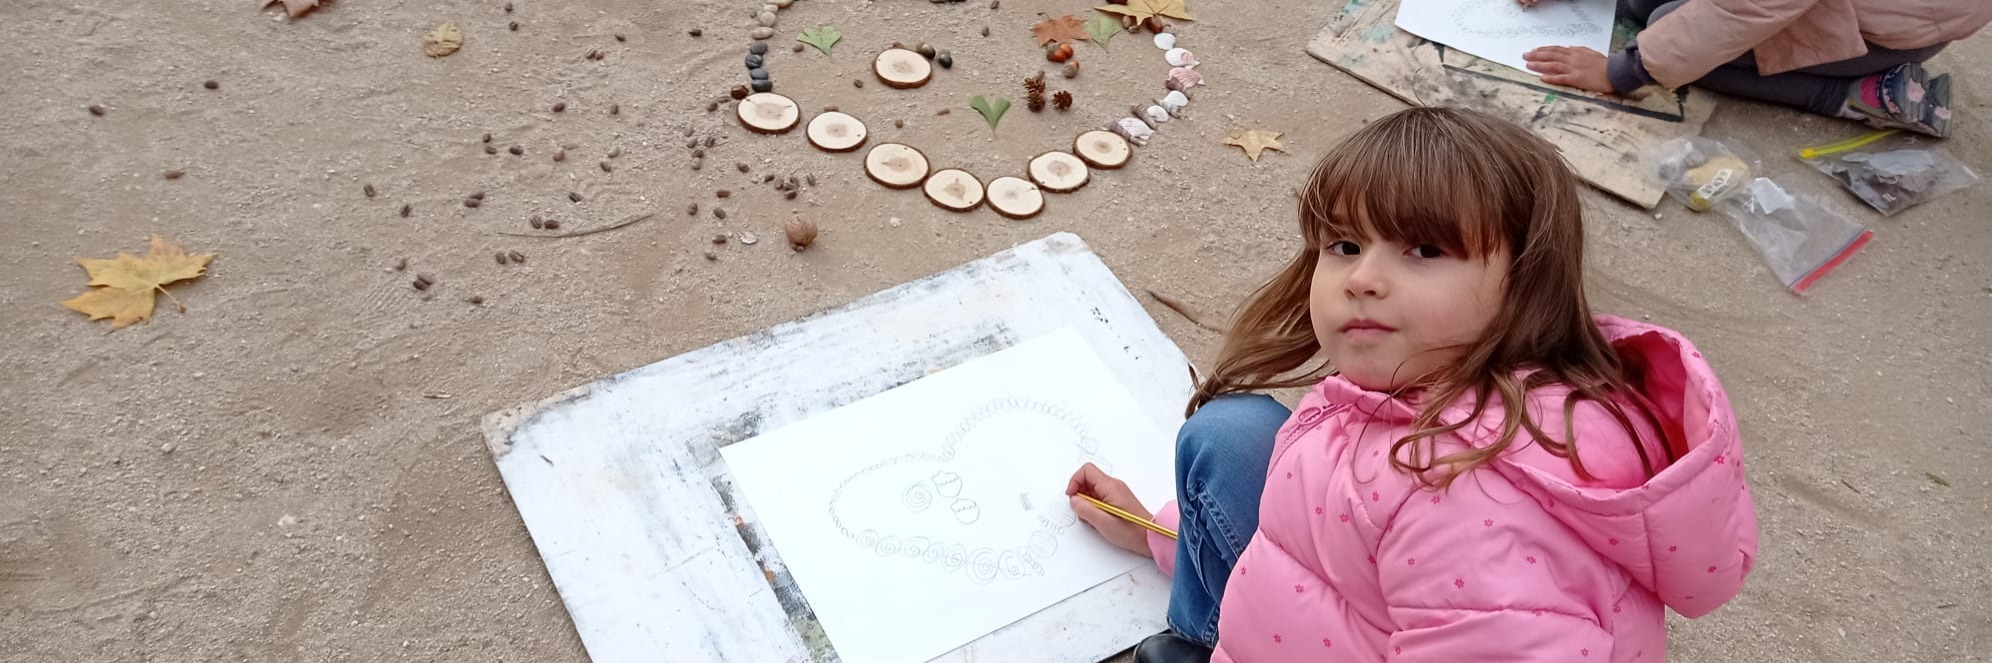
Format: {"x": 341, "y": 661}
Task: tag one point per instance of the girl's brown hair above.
{"x": 1470, "y": 183}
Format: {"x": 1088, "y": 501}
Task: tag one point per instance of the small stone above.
{"x": 368, "y": 189}
{"x": 719, "y": 238}
{"x": 606, "y": 168}
{"x": 763, "y": 86}
{"x": 212, "y": 85}
{"x": 945, "y": 59}
{"x": 501, "y": 258}
{"x": 287, "y": 521}
{"x": 516, "y": 150}
{"x": 620, "y": 38}
{"x": 516, "y": 256}
{"x": 616, "y": 151}
{"x": 96, "y": 110}
{"x": 472, "y": 203}
{"x": 758, "y": 74}
{"x": 166, "y": 448}
{"x": 796, "y": 48}
{"x": 487, "y": 138}
{"x": 698, "y": 153}
{"x": 697, "y": 164}
{"x": 615, "y": 109}
{"x": 738, "y": 92}
{"x": 560, "y": 155}
{"x": 749, "y": 238}
{"x": 572, "y": 196}
{"x": 898, "y": 124}
{"x": 711, "y": 256}
{"x": 536, "y": 222}
{"x": 944, "y": 111}
{"x": 490, "y": 149}
{"x": 514, "y": 26}
{"x": 857, "y": 83}
{"x": 478, "y": 195}
{"x": 559, "y": 106}
{"x": 695, "y": 32}
{"x": 782, "y": 4}
{"x": 985, "y": 31}
{"x": 508, "y": 8}
{"x": 994, "y": 4}
{"x": 177, "y": 174}
{"x": 722, "y": 193}
{"x": 712, "y": 106}
{"x": 476, "y": 300}
{"x": 766, "y": 18}
{"x": 406, "y": 209}
{"x": 757, "y": 48}
{"x": 790, "y": 195}
{"x": 754, "y": 61}
{"x": 400, "y": 264}
{"x": 711, "y": 141}
{"x": 925, "y": 51}
{"x": 692, "y": 209}
{"x": 763, "y": 32}
{"x": 552, "y": 224}
{"x": 742, "y": 166}
{"x": 718, "y": 213}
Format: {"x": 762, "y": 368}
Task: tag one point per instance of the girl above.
{"x": 1854, "y": 59}
{"x": 1486, "y": 473}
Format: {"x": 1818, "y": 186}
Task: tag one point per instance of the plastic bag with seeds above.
{"x": 1890, "y": 170}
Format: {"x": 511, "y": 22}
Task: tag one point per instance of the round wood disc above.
{"x": 768, "y": 113}
{"x": 1105, "y": 150}
{"x": 1015, "y": 197}
{"x": 836, "y": 132}
{"x": 1059, "y": 172}
{"x": 954, "y": 189}
{"x": 901, "y": 68}
{"x": 896, "y": 166}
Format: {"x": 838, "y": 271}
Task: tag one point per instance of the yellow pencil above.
{"x": 1138, "y": 520}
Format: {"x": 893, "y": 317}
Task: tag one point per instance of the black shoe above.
{"x": 1167, "y": 647}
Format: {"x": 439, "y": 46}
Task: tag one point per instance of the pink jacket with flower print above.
{"x": 1520, "y": 560}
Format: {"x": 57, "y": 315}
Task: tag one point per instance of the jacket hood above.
{"x": 1689, "y": 532}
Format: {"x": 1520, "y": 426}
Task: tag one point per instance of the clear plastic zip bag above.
{"x": 1799, "y": 240}
{"x": 1890, "y": 170}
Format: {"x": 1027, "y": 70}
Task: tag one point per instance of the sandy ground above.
{"x": 327, "y": 496}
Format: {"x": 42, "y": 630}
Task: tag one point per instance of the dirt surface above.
{"x": 292, "y": 470}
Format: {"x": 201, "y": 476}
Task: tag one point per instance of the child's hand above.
{"x": 1577, "y": 67}
{"x": 1528, "y": 3}
{"x": 1091, "y": 481}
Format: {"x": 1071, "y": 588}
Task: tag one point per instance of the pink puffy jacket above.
{"x": 1519, "y": 560}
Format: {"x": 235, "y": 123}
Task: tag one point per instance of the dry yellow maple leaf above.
{"x": 1255, "y": 141}
{"x": 1143, "y": 10}
{"x": 443, "y": 40}
{"x": 128, "y": 282}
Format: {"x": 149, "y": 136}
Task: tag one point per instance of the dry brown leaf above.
{"x": 295, "y": 8}
{"x": 1255, "y": 141}
{"x": 443, "y": 40}
{"x": 1063, "y": 29}
{"x": 128, "y": 282}
{"x": 1142, "y": 10}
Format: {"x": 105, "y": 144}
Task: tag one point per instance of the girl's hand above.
{"x": 1528, "y": 3}
{"x": 1090, "y": 480}
{"x": 1577, "y": 67}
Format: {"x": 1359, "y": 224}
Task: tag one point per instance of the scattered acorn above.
{"x": 801, "y": 231}
{"x": 1071, "y": 70}
{"x": 1060, "y": 52}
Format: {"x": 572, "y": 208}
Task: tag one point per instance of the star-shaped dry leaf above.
{"x": 822, "y": 37}
{"x": 128, "y": 282}
{"x": 295, "y": 8}
{"x": 1255, "y": 141}
{"x": 1063, "y": 29}
{"x": 1143, "y": 10}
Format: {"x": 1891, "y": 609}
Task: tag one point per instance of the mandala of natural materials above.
{"x": 1016, "y": 196}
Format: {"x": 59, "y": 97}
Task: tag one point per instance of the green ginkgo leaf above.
{"x": 1101, "y": 29}
{"x": 822, "y": 37}
{"x": 991, "y": 110}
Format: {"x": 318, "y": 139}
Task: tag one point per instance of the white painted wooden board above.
{"x": 621, "y": 484}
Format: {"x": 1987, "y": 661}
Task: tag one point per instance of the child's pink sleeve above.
{"x": 1163, "y": 548}
{"x": 1470, "y": 578}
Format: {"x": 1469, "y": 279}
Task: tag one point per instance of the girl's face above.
{"x": 1388, "y": 314}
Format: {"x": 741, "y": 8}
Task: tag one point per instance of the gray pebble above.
{"x": 758, "y": 48}
{"x": 758, "y": 74}
{"x": 754, "y": 61}
{"x": 783, "y": 4}
{"x": 763, "y": 32}
{"x": 764, "y": 86}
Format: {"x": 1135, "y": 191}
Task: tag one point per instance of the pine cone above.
{"x": 1062, "y": 100}
{"x": 1035, "y": 100}
{"x": 1035, "y": 84}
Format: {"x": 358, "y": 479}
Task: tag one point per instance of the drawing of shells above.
{"x": 888, "y": 546}
{"x": 917, "y": 497}
{"x": 915, "y": 547}
{"x": 1507, "y": 19}
{"x": 954, "y": 557}
{"x": 982, "y": 565}
{"x": 867, "y": 538}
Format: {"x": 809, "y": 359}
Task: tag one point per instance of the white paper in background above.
{"x": 927, "y": 516}
{"x": 1502, "y": 30}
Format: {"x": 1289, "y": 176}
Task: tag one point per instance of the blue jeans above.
{"x": 1222, "y": 453}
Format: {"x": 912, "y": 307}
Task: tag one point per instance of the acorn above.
{"x": 800, "y": 230}
{"x": 1071, "y": 70}
{"x": 1059, "y": 53}
{"x": 926, "y": 51}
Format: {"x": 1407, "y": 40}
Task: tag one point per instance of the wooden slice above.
{"x": 954, "y": 189}
{"x": 1105, "y": 150}
{"x": 901, "y": 68}
{"x": 896, "y": 166}
{"x": 1059, "y": 172}
{"x": 768, "y": 113}
{"x": 1015, "y": 197}
{"x": 836, "y": 132}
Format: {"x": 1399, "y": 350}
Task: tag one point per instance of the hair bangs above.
{"x": 1407, "y": 184}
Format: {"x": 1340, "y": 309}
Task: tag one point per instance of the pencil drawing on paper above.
{"x": 938, "y": 512}
{"x": 1508, "y": 19}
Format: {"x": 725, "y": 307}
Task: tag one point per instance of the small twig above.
{"x": 619, "y": 224}
{"x": 1183, "y": 310}
{"x": 1851, "y": 487}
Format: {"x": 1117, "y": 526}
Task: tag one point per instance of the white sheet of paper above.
{"x": 924, "y": 517}
{"x": 1502, "y": 30}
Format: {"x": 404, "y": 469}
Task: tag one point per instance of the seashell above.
{"x": 1165, "y": 41}
{"x": 1135, "y": 131}
{"x": 1175, "y": 102}
{"x": 1155, "y": 115}
{"x": 1177, "y": 57}
{"x": 1184, "y": 78}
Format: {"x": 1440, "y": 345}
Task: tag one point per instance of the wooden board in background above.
{"x": 1601, "y": 136}
{"x": 658, "y": 558}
